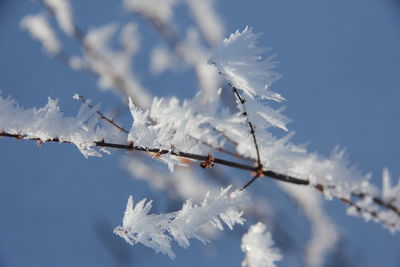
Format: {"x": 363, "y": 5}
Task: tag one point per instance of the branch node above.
{"x": 131, "y": 146}
{"x": 157, "y": 155}
{"x": 39, "y": 142}
{"x": 209, "y": 162}
{"x": 320, "y": 187}
{"x": 258, "y": 172}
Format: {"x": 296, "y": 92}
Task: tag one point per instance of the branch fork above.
{"x": 209, "y": 162}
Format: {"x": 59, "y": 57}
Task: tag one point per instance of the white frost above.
{"x": 40, "y": 29}
{"x": 258, "y": 246}
{"x": 48, "y": 123}
{"x": 114, "y": 68}
{"x": 390, "y": 193}
{"x": 240, "y": 61}
{"x": 158, "y": 231}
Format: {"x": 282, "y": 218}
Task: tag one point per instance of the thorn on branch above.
{"x": 319, "y": 187}
{"x": 346, "y": 201}
{"x": 19, "y": 136}
{"x": 39, "y": 142}
{"x": 209, "y": 162}
{"x": 157, "y": 155}
{"x": 99, "y": 143}
{"x": 172, "y": 148}
{"x": 131, "y": 146}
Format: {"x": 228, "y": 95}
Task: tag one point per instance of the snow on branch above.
{"x": 390, "y": 193}
{"x": 324, "y": 234}
{"x": 173, "y": 130}
{"x": 258, "y": 245}
{"x": 63, "y": 14}
{"x": 114, "y": 67}
{"x": 382, "y": 206}
{"x": 39, "y": 28}
{"x": 175, "y": 126}
{"x": 49, "y": 123}
{"x": 239, "y": 60}
{"x": 208, "y": 20}
{"x": 157, "y": 231}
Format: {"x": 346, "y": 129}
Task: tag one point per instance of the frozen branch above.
{"x": 157, "y": 231}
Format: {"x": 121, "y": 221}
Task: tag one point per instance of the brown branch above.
{"x": 376, "y": 200}
{"x": 220, "y": 149}
{"x": 255, "y": 177}
{"x": 132, "y": 147}
{"x": 379, "y": 201}
{"x": 209, "y": 159}
{"x": 225, "y": 136}
{"x": 242, "y": 102}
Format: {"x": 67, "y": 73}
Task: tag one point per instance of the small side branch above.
{"x": 102, "y": 116}
{"x": 242, "y": 102}
{"x": 249, "y": 182}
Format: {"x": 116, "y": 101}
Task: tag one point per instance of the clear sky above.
{"x": 340, "y": 62}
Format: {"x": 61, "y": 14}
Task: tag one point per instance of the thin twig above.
{"x": 249, "y": 182}
{"x": 225, "y": 136}
{"x": 132, "y": 147}
{"x": 221, "y": 149}
{"x": 242, "y": 102}
{"x": 376, "y": 200}
{"x": 208, "y": 158}
{"x": 102, "y": 116}
{"x": 372, "y": 213}
{"x": 165, "y": 30}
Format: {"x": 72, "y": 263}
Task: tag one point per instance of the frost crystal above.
{"x": 158, "y": 231}
{"x": 239, "y": 60}
{"x": 172, "y": 126}
{"x": 49, "y": 123}
{"x": 258, "y": 246}
{"x": 390, "y": 193}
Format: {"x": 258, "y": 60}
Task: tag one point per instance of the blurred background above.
{"x": 340, "y": 62}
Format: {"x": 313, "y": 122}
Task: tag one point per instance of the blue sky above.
{"x": 340, "y": 62}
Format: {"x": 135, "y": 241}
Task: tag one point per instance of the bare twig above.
{"x": 249, "y": 182}
{"x": 102, "y": 116}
